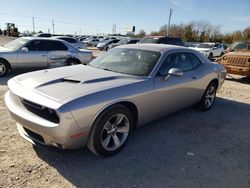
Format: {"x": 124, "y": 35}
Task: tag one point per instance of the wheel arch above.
{"x": 75, "y": 59}
{"x": 129, "y": 104}
{"x": 5, "y": 60}
{"x": 215, "y": 80}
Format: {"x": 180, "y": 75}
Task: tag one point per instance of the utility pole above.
{"x": 114, "y": 29}
{"x": 53, "y": 26}
{"x": 169, "y": 19}
{"x": 33, "y": 23}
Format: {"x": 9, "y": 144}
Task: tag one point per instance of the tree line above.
{"x": 200, "y": 31}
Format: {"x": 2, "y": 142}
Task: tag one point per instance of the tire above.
{"x": 208, "y": 97}
{"x": 210, "y": 56}
{"x": 4, "y": 68}
{"x": 71, "y": 62}
{"x": 111, "y": 131}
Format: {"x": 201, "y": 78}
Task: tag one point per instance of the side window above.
{"x": 132, "y": 42}
{"x": 217, "y": 45}
{"x": 176, "y": 60}
{"x": 194, "y": 60}
{"x": 183, "y": 62}
{"x": 36, "y": 45}
{"x": 71, "y": 40}
{"x": 56, "y": 46}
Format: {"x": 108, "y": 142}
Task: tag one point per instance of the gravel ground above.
{"x": 186, "y": 149}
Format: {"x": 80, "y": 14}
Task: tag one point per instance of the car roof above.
{"x": 40, "y": 38}
{"x": 153, "y": 47}
{"x": 58, "y": 37}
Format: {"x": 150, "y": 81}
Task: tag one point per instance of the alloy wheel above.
{"x": 2, "y": 69}
{"x": 115, "y": 132}
{"x": 210, "y": 96}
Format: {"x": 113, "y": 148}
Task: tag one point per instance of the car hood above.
{"x": 3, "y": 49}
{"x": 68, "y": 83}
{"x": 201, "y": 49}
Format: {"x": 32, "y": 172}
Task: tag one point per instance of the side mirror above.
{"x": 175, "y": 72}
{"x": 24, "y": 49}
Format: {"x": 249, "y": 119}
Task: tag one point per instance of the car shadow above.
{"x": 240, "y": 79}
{"x": 187, "y": 148}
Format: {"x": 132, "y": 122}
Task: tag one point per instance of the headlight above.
{"x": 225, "y": 57}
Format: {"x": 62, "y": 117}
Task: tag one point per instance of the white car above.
{"x": 210, "y": 50}
{"x": 73, "y": 41}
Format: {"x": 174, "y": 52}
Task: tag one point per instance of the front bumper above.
{"x": 244, "y": 71}
{"x": 65, "y": 134}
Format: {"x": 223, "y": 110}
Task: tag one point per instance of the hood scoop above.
{"x": 90, "y": 81}
{"x": 71, "y": 81}
{"x": 100, "y": 80}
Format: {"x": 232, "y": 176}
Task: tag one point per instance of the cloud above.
{"x": 175, "y": 2}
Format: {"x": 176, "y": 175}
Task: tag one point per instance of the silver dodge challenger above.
{"x": 37, "y": 52}
{"x": 100, "y": 104}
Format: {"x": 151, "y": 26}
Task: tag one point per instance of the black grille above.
{"x": 41, "y": 111}
{"x": 34, "y": 136}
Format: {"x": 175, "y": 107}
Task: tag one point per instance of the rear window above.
{"x": 149, "y": 40}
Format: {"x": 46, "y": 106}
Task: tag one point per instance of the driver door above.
{"x": 35, "y": 56}
{"x": 176, "y": 92}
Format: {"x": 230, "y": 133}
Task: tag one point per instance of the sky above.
{"x": 99, "y": 16}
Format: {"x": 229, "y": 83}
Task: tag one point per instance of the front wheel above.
{"x": 111, "y": 131}
{"x": 208, "y": 98}
{"x": 4, "y": 68}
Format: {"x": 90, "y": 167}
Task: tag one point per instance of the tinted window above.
{"x": 132, "y": 41}
{"x": 56, "y": 46}
{"x": 194, "y": 60}
{"x": 36, "y": 45}
{"x": 217, "y": 45}
{"x": 69, "y": 40}
{"x": 177, "y": 60}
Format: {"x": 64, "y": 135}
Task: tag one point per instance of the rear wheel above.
{"x": 111, "y": 131}
{"x": 208, "y": 98}
{"x": 210, "y": 56}
{"x": 72, "y": 62}
{"x": 4, "y": 68}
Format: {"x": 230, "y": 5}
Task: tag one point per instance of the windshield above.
{"x": 16, "y": 44}
{"x": 205, "y": 46}
{"x": 127, "y": 61}
{"x": 240, "y": 45}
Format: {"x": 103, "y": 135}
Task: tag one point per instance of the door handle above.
{"x": 194, "y": 76}
{"x": 43, "y": 55}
